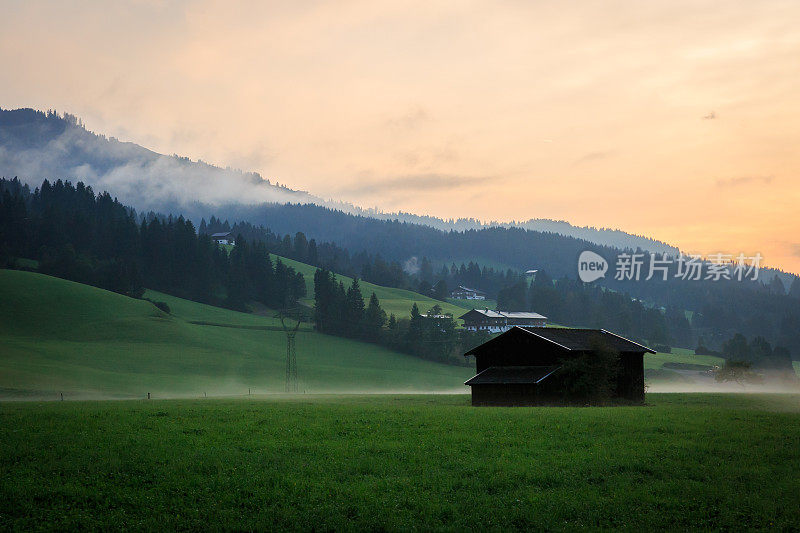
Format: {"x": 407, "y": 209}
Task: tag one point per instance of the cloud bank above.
{"x": 137, "y": 176}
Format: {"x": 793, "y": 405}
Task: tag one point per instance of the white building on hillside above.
{"x": 223, "y": 238}
{"x": 466, "y": 293}
{"x": 498, "y": 321}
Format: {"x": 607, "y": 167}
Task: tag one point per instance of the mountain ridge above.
{"x": 36, "y": 145}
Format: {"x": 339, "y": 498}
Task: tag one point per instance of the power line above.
{"x": 291, "y": 354}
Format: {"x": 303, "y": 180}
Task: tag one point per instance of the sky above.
{"x": 675, "y": 120}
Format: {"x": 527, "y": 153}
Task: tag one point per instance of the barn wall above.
{"x": 630, "y": 384}
{"x": 516, "y": 395}
{"x": 504, "y": 395}
{"x": 630, "y": 387}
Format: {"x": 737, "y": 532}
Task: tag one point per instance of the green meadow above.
{"x": 681, "y": 356}
{"x": 382, "y": 462}
{"x": 57, "y": 336}
{"x": 473, "y": 304}
{"x": 229, "y": 450}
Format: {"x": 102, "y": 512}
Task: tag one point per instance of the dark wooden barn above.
{"x": 523, "y": 365}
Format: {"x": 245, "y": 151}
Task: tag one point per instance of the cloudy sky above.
{"x": 676, "y": 120}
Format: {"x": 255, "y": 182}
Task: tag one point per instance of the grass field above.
{"x": 400, "y": 463}
{"x": 473, "y": 304}
{"x": 680, "y": 356}
{"x": 397, "y": 301}
{"x": 59, "y": 336}
{"x": 208, "y": 314}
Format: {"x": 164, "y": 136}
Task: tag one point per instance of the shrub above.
{"x": 738, "y": 371}
{"x": 161, "y": 305}
{"x": 592, "y": 377}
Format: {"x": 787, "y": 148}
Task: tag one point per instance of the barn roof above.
{"x": 572, "y": 339}
{"x": 491, "y": 313}
{"x": 518, "y": 314}
{"x": 463, "y": 288}
{"x": 504, "y": 375}
{"x": 220, "y": 235}
{"x": 583, "y": 339}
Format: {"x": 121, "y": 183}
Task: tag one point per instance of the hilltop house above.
{"x": 223, "y": 238}
{"x": 498, "y": 321}
{"x": 523, "y": 365}
{"x": 466, "y": 293}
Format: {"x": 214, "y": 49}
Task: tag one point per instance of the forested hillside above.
{"x": 35, "y": 145}
{"x": 675, "y": 311}
{"x": 94, "y": 239}
{"x": 403, "y": 255}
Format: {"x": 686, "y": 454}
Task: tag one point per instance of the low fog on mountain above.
{"x": 36, "y": 146}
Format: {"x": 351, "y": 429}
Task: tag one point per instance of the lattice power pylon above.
{"x": 291, "y": 354}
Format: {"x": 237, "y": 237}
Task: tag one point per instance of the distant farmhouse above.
{"x": 523, "y": 366}
{"x": 465, "y": 293}
{"x": 223, "y": 238}
{"x": 498, "y": 321}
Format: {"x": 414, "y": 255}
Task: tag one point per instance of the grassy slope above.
{"x": 473, "y": 304}
{"x": 56, "y": 335}
{"x": 680, "y": 356}
{"x": 710, "y": 462}
{"x": 397, "y": 301}
{"x": 197, "y": 312}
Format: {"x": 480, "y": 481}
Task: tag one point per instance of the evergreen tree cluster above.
{"x": 370, "y": 267}
{"x": 574, "y": 303}
{"x": 487, "y": 279}
{"x": 341, "y": 311}
{"x": 751, "y": 362}
{"x": 758, "y": 353}
{"x": 94, "y": 239}
{"x": 753, "y": 312}
{"x": 423, "y": 277}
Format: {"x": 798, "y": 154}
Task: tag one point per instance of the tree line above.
{"x": 717, "y": 309}
{"x": 341, "y": 311}
{"x": 419, "y": 275}
{"x": 94, "y": 239}
{"x": 653, "y": 311}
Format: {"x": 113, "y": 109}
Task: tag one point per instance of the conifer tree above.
{"x": 374, "y": 319}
